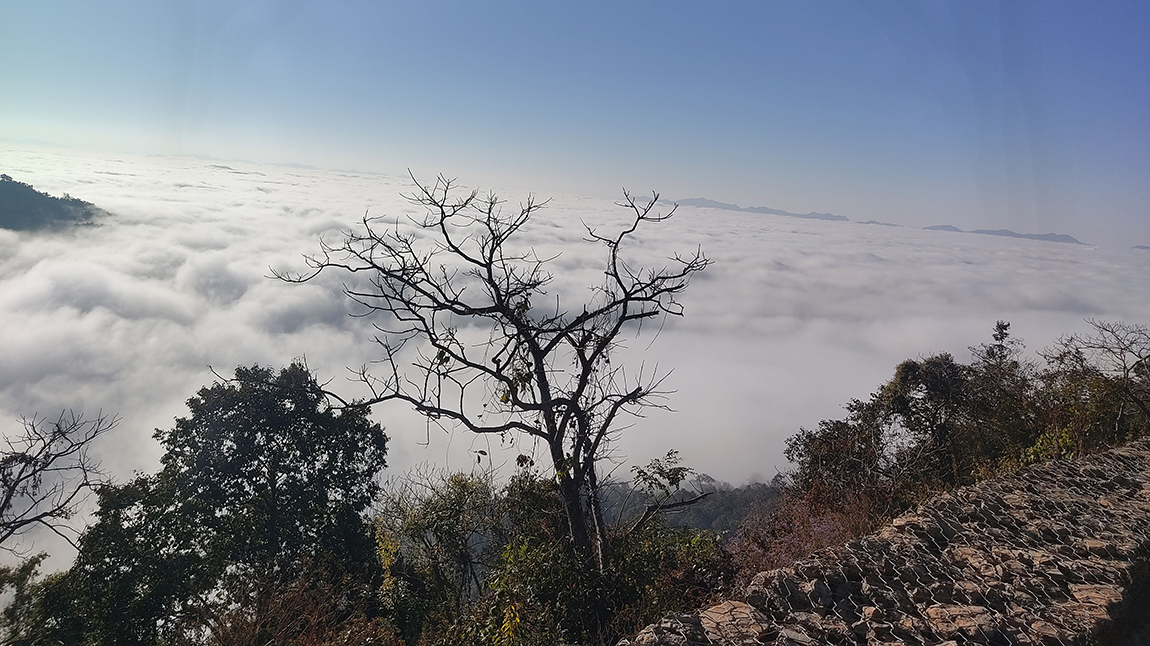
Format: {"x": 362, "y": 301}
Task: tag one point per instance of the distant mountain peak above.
{"x": 708, "y": 204}
{"x": 1007, "y": 233}
{"x": 712, "y": 204}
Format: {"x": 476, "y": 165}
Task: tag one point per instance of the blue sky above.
{"x": 1031, "y": 116}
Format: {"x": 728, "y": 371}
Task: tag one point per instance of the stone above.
{"x": 1046, "y": 630}
{"x": 969, "y": 621}
{"x": 1099, "y": 595}
{"x": 1044, "y": 555}
{"x": 672, "y": 630}
{"x": 733, "y": 622}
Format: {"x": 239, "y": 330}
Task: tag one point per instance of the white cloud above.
{"x": 794, "y": 318}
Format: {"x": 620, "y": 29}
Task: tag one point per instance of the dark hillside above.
{"x": 23, "y": 208}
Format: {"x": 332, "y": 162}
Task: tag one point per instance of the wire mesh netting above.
{"x": 1051, "y": 554}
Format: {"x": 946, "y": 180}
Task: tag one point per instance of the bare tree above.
{"x": 1116, "y": 350}
{"x": 45, "y": 473}
{"x": 494, "y": 352}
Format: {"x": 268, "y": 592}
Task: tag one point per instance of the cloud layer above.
{"x": 794, "y": 318}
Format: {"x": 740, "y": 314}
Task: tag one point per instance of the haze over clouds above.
{"x": 1029, "y": 116}
{"x": 794, "y": 318}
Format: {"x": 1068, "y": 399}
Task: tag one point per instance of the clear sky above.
{"x": 1033, "y": 116}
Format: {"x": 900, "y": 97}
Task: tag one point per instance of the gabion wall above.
{"x": 1052, "y": 554}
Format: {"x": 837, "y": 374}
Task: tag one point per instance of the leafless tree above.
{"x": 493, "y": 351}
{"x": 1116, "y": 350}
{"x": 45, "y": 473}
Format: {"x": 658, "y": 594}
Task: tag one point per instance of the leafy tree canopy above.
{"x": 263, "y": 483}
{"x": 938, "y": 423}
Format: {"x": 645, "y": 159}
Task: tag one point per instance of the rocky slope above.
{"x": 1053, "y": 554}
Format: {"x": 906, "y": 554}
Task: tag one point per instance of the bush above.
{"x": 790, "y": 528}
{"x": 468, "y": 563}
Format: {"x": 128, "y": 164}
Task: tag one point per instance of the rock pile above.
{"x": 1052, "y": 554}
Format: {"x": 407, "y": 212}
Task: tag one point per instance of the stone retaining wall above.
{"x": 1052, "y": 554}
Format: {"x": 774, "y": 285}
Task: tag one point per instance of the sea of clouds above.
{"x": 793, "y": 319}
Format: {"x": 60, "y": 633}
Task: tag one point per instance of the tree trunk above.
{"x": 601, "y": 546}
{"x": 571, "y": 492}
{"x": 573, "y": 505}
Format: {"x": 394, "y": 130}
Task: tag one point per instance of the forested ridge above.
{"x": 270, "y": 520}
{"x": 23, "y": 208}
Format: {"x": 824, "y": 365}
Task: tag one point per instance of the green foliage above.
{"x": 270, "y": 473}
{"x": 23, "y": 621}
{"x": 650, "y": 572}
{"x": 662, "y": 476}
{"x": 468, "y": 563}
{"x": 436, "y": 535}
{"x": 938, "y": 424}
{"x": 262, "y": 486}
{"x": 1098, "y": 390}
{"x": 539, "y": 595}
{"x": 849, "y": 456}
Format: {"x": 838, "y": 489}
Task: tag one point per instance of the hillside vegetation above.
{"x": 23, "y": 208}
{"x": 939, "y": 424}
{"x": 267, "y": 523}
